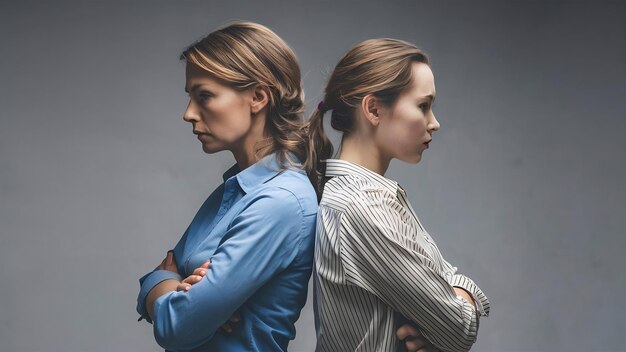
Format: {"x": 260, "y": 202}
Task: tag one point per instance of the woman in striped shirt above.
{"x": 377, "y": 267}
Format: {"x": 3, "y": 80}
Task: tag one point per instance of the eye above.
{"x": 204, "y": 96}
{"x": 424, "y": 107}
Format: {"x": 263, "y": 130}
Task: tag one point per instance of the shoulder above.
{"x": 350, "y": 193}
{"x": 291, "y": 190}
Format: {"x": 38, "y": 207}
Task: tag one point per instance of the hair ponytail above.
{"x": 319, "y": 149}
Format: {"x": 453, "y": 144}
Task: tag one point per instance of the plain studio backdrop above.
{"x": 522, "y": 188}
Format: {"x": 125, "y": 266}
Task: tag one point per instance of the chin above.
{"x": 211, "y": 149}
{"x": 412, "y": 159}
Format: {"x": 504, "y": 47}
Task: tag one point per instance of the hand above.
{"x": 226, "y": 327}
{"x": 169, "y": 263}
{"x": 165, "y": 286}
{"x": 194, "y": 278}
{"x": 413, "y": 339}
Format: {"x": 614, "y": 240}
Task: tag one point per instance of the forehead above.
{"x": 195, "y": 74}
{"x": 423, "y": 80}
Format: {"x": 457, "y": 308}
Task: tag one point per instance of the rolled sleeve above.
{"x": 464, "y": 282}
{"x": 379, "y": 255}
{"x": 147, "y": 283}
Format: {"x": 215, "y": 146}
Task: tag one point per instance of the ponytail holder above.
{"x": 321, "y": 106}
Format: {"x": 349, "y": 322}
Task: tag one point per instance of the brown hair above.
{"x": 244, "y": 54}
{"x": 381, "y": 67}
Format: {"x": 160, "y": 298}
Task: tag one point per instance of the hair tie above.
{"x": 321, "y": 106}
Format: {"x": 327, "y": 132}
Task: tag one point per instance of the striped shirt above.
{"x": 376, "y": 267}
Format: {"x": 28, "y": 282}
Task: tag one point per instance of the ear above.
{"x": 260, "y": 98}
{"x": 371, "y": 109}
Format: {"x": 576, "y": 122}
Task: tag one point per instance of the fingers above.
{"x": 227, "y": 327}
{"x": 413, "y": 339}
{"x": 428, "y": 348}
{"x": 416, "y": 344}
{"x": 169, "y": 262}
{"x": 200, "y": 271}
{"x": 183, "y": 287}
{"x": 173, "y": 259}
{"x": 407, "y": 330}
{"x": 194, "y": 278}
{"x": 163, "y": 263}
{"x": 198, "y": 274}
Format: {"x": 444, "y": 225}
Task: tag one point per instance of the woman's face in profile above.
{"x": 220, "y": 115}
{"x": 406, "y": 127}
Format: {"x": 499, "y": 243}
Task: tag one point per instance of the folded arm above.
{"x": 262, "y": 240}
{"x": 155, "y": 284}
{"x": 459, "y": 280}
{"x": 380, "y": 256}
{"x": 150, "y": 280}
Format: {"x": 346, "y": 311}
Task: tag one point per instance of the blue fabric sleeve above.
{"x": 263, "y": 239}
{"x": 153, "y": 278}
{"x": 147, "y": 283}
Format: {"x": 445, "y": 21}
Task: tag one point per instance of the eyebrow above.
{"x": 194, "y": 87}
{"x": 429, "y": 96}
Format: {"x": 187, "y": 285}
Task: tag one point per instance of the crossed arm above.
{"x": 165, "y": 286}
{"x": 170, "y": 285}
{"x": 380, "y": 256}
{"x": 413, "y": 338}
{"x": 256, "y": 246}
{"x": 275, "y": 256}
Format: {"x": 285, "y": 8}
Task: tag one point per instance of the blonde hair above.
{"x": 245, "y": 54}
{"x": 381, "y": 67}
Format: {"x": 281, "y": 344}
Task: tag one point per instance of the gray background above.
{"x": 522, "y": 188}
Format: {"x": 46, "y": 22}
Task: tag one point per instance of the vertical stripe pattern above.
{"x": 376, "y": 265}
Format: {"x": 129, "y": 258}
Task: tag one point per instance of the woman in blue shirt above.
{"x": 257, "y": 228}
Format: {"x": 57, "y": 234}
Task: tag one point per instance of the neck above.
{"x": 362, "y": 151}
{"x": 245, "y": 150}
{"x": 244, "y": 160}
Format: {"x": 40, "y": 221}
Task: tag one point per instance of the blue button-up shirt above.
{"x": 258, "y": 230}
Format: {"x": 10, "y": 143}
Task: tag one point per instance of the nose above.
{"x": 190, "y": 114}
{"x": 434, "y": 124}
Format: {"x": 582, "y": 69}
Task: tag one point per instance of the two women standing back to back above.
{"x": 237, "y": 278}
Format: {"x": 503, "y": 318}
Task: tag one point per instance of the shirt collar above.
{"x": 338, "y": 167}
{"x": 232, "y": 171}
{"x": 260, "y": 172}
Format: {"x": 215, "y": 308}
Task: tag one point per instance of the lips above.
{"x": 200, "y": 133}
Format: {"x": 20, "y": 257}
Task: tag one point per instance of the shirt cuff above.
{"x": 482, "y": 303}
{"x": 147, "y": 283}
